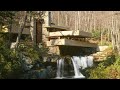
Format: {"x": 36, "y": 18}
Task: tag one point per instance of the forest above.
{"x": 31, "y": 60}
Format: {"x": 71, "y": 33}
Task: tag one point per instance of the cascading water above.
{"x": 84, "y": 60}
{"x": 76, "y": 67}
{"x": 78, "y": 63}
{"x": 90, "y": 61}
{"x": 60, "y": 68}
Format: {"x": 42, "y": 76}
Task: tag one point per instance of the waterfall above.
{"x": 84, "y": 60}
{"x": 60, "y": 68}
{"x": 78, "y": 63}
{"x": 89, "y": 61}
{"x": 76, "y": 68}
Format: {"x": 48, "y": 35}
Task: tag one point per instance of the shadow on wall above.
{"x": 76, "y": 51}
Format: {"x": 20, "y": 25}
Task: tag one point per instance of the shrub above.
{"x": 109, "y": 69}
{"x": 12, "y": 64}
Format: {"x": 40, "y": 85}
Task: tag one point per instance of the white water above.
{"x": 76, "y": 69}
{"x": 83, "y": 62}
{"x": 60, "y": 68}
{"x": 89, "y": 61}
{"x": 78, "y": 63}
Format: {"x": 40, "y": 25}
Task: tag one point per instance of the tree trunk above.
{"x": 32, "y": 28}
{"x": 10, "y": 29}
{"x": 21, "y": 29}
